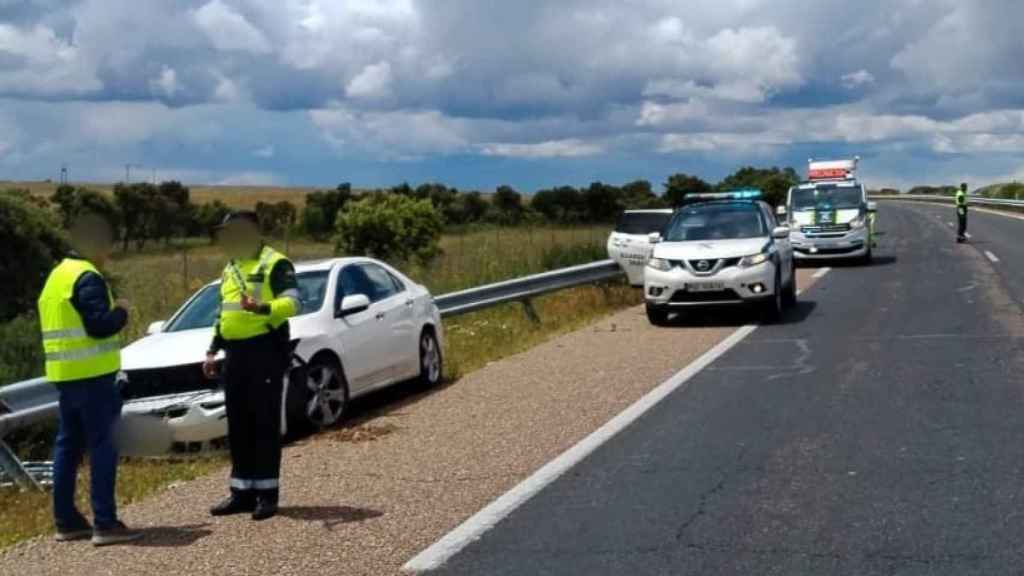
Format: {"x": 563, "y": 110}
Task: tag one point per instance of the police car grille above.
{"x": 169, "y": 380}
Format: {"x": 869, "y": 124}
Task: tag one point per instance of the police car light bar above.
{"x": 744, "y": 194}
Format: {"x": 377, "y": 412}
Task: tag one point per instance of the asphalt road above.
{"x": 879, "y": 431}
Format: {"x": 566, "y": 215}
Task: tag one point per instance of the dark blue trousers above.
{"x": 89, "y": 411}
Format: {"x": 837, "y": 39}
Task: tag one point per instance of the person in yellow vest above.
{"x": 259, "y": 293}
{"x": 961, "y": 213}
{"x": 80, "y": 322}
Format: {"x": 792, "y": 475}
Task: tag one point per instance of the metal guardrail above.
{"x": 971, "y": 200}
{"x": 31, "y": 401}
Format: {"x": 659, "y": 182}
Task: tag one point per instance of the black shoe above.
{"x": 116, "y": 534}
{"x": 79, "y": 529}
{"x": 265, "y": 508}
{"x": 233, "y": 505}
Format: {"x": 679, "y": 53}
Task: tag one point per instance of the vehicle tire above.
{"x": 771, "y": 310}
{"x": 656, "y": 315}
{"x": 325, "y": 395}
{"x": 865, "y": 260}
{"x": 789, "y": 294}
{"x": 431, "y": 360}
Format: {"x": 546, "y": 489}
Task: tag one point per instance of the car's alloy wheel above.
{"x": 328, "y": 393}
{"x": 790, "y": 293}
{"x": 773, "y": 307}
{"x": 431, "y": 363}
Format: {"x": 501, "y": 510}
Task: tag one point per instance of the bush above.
{"x": 390, "y": 227}
{"x": 321, "y": 211}
{"x": 21, "y": 356}
{"x": 31, "y": 242}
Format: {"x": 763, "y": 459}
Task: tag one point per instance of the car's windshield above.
{"x": 717, "y": 222}
{"x": 827, "y": 198}
{"x": 202, "y": 310}
{"x": 642, "y": 223}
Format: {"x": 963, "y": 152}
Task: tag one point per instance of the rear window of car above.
{"x": 642, "y": 223}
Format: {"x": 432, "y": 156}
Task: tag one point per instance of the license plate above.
{"x": 704, "y": 286}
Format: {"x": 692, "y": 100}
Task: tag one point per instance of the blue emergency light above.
{"x": 741, "y": 194}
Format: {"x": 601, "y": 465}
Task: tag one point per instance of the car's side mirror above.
{"x": 654, "y": 237}
{"x": 155, "y": 328}
{"x": 872, "y": 206}
{"x": 353, "y": 305}
{"x": 780, "y": 210}
{"x": 780, "y": 232}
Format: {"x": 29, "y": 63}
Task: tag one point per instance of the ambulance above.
{"x": 829, "y": 215}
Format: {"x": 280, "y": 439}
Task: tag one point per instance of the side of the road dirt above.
{"x": 364, "y": 501}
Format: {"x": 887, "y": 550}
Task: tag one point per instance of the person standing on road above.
{"x": 259, "y": 293}
{"x": 961, "y": 213}
{"x": 80, "y": 322}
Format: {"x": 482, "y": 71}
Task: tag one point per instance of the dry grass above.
{"x": 29, "y": 514}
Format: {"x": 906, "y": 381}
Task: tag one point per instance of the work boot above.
{"x": 79, "y": 529}
{"x": 265, "y": 508}
{"x": 234, "y": 504}
{"x": 116, "y": 534}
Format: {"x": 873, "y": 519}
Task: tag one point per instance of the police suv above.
{"x": 720, "y": 249}
{"x": 829, "y": 214}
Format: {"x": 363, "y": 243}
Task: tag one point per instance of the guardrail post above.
{"x": 10, "y": 464}
{"x": 530, "y": 311}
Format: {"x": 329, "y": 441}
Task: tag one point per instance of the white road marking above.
{"x": 991, "y": 257}
{"x": 476, "y": 525}
{"x": 821, "y": 272}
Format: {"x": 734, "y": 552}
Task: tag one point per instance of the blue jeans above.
{"x": 89, "y": 411}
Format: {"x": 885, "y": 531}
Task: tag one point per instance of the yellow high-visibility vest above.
{"x": 251, "y": 277}
{"x": 71, "y": 354}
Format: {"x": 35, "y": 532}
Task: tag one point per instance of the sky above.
{"x": 531, "y": 93}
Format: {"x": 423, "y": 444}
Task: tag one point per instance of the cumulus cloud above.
{"x": 857, "y": 79}
{"x": 229, "y": 31}
{"x": 373, "y": 82}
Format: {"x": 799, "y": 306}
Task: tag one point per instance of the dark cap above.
{"x": 240, "y": 215}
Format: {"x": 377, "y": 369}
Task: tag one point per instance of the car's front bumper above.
{"x": 669, "y": 289}
{"x": 853, "y": 244}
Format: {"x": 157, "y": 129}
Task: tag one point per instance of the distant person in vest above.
{"x": 80, "y": 324}
{"x": 258, "y": 294}
{"x": 961, "y": 213}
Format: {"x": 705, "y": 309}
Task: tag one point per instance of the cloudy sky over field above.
{"x": 476, "y": 93}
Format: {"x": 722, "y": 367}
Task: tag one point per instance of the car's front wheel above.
{"x": 431, "y": 360}
{"x": 771, "y": 309}
{"x": 325, "y": 394}
{"x": 790, "y": 295}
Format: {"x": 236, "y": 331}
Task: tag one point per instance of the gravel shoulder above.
{"x": 364, "y": 499}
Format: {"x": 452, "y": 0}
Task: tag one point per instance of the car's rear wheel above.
{"x": 326, "y": 391}
{"x": 431, "y": 360}
{"x": 657, "y": 315}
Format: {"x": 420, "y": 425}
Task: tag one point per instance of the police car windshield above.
{"x": 202, "y": 310}
{"x": 642, "y": 223}
{"x": 725, "y": 221}
{"x": 827, "y": 197}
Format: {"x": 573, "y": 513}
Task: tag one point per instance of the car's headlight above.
{"x": 857, "y": 223}
{"x": 753, "y": 260}
{"x": 659, "y": 264}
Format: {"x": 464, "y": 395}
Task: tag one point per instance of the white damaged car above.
{"x": 363, "y": 326}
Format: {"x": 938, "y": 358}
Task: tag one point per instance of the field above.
{"x": 156, "y": 282}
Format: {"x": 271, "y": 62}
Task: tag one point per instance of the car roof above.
{"x": 726, "y": 202}
{"x": 649, "y": 211}
{"x": 323, "y": 264}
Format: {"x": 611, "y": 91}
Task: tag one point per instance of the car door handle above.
{"x": 409, "y": 302}
{"x": 380, "y": 316}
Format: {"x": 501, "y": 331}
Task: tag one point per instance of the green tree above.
{"x": 601, "y": 202}
{"x": 390, "y": 227}
{"x": 640, "y": 194}
{"x": 275, "y": 218}
{"x": 209, "y": 215}
{"x": 321, "y": 211}
{"x": 679, "y": 185}
{"x": 31, "y": 243}
{"x": 508, "y": 204}
{"x": 773, "y": 182}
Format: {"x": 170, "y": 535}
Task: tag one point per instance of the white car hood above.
{"x": 166, "y": 349}
{"x": 708, "y": 249}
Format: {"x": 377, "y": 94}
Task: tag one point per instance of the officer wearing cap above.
{"x": 961, "y": 213}
{"x": 258, "y": 295}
